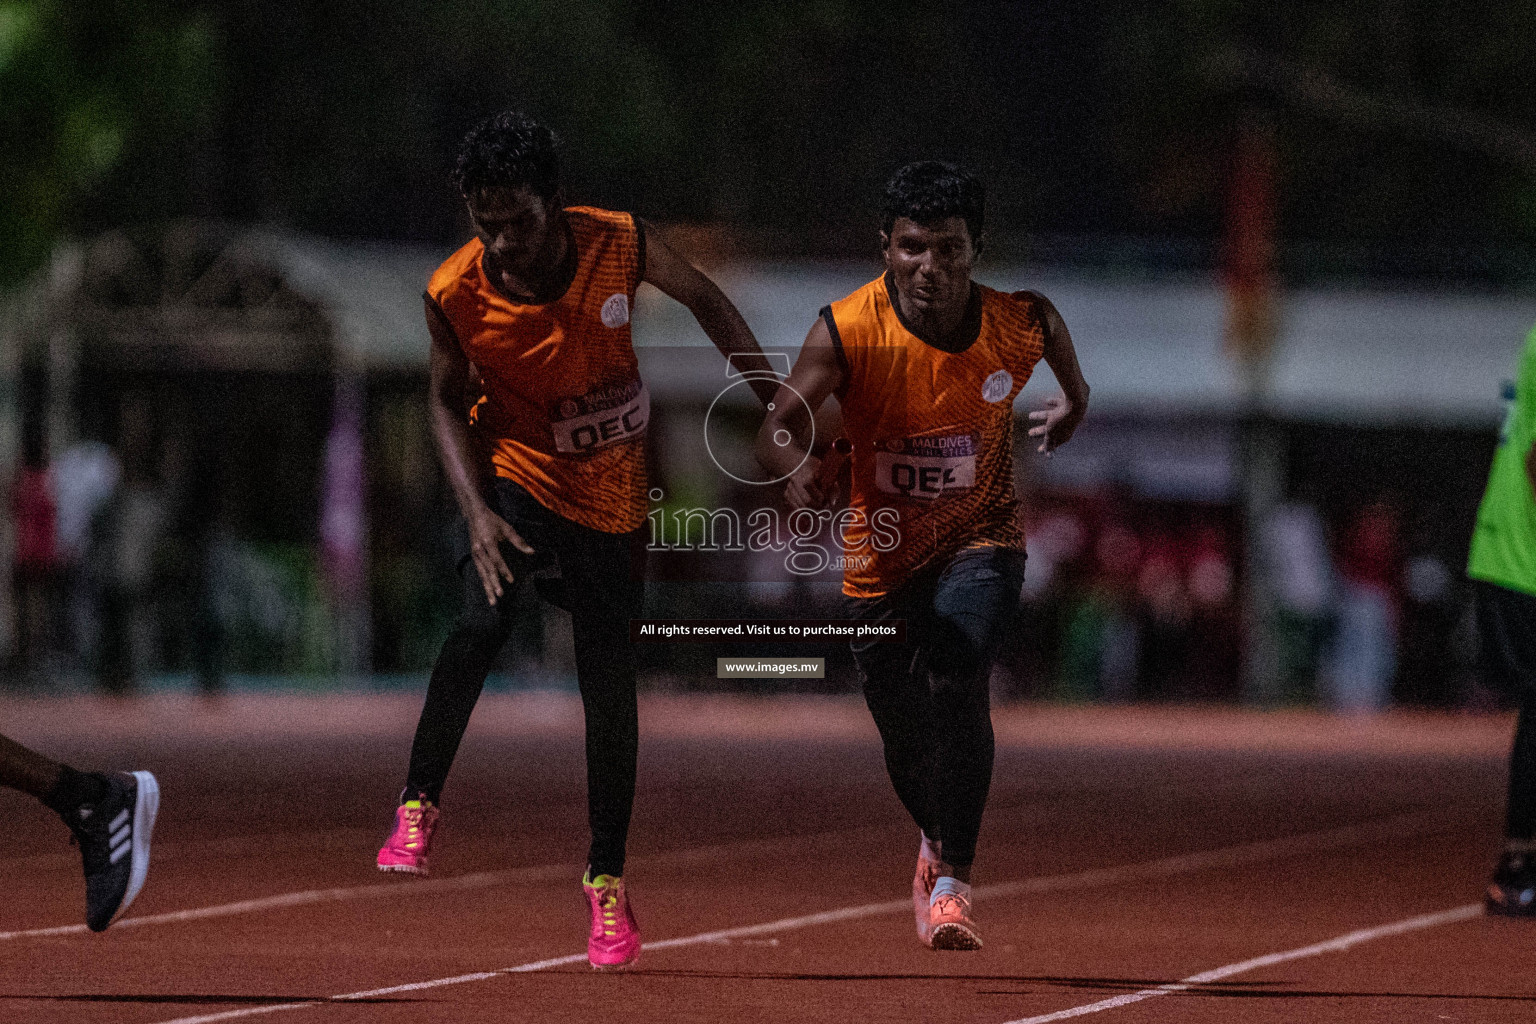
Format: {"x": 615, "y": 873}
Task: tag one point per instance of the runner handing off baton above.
{"x": 926, "y": 365}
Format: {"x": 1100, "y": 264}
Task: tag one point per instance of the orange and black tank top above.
{"x": 932, "y": 432}
{"x": 564, "y": 410}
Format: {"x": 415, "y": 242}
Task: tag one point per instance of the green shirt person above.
{"x": 1504, "y": 543}
{"x": 1503, "y": 571}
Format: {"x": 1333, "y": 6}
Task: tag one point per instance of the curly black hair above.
{"x": 510, "y": 149}
{"x": 932, "y": 190}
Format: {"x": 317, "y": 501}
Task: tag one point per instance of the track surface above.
{"x": 1126, "y": 850}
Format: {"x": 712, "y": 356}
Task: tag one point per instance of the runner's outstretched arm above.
{"x": 716, "y": 314}
{"x": 817, "y": 374}
{"x": 1055, "y": 424}
{"x": 448, "y": 371}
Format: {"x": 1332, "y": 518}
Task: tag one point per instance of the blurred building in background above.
{"x": 223, "y": 466}
{"x": 1295, "y": 243}
{"x": 1384, "y": 405}
{"x": 197, "y": 394}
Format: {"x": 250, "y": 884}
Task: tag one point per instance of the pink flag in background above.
{"x": 343, "y": 505}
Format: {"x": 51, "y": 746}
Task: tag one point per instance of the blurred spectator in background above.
{"x": 1164, "y": 618}
{"x": 35, "y": 563}
{"x": 1212, "y": 662}
{"x": 1364, "y": 657}
{"x": 1086, "y": 609}
{"x": 84, "y": 476}
{"x": 126, "y": 538}
{"x": 1428, "y": 663}
{"x": 196, "y": 524}
{"x": 1132, "y": 599}
{"x": 1295, "y": 547}
{"x": 1056, "y": 544}
{"x": 1119, "y": 552}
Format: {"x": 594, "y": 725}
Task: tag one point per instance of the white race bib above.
{"x": 927, "y": 468}
{"x": 601, "y": 418}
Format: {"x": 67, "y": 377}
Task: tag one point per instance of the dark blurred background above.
{"x": 1297, "y": 247}
{"x": 781, "y": 120}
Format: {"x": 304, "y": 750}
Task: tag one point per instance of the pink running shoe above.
{"x": 615, "y": 938}
{"x": 407, "y": 847}
{"x": 952, "y": 924}
{"x": 922, "y": 891}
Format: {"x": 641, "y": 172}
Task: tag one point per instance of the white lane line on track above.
{"x": 1267, "y": 849}
{"x": 480, "y": 880}
{"x": 1337, "y": 945}
{"x": 1395, "y": 828}
{"x": 400, "y": 887}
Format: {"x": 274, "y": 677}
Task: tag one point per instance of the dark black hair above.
{"x": 932, "y": 190}
{"x": 511, "y": 150}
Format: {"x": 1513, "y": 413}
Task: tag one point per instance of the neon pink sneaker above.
{"x": 922, "y": 891}
{"x": 615, "y": 938}
{"x": 407, "y": 847}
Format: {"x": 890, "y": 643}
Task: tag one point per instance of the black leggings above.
{"x": 602, "y": 575}
{"x": 1506, "y": 627}
{"x": 929, "y": 697}
{"x": 1520, "y": 813}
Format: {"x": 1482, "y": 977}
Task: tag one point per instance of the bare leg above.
{"x": 27, "y": 770}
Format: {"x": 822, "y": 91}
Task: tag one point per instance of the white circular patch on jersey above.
{"x": 997, "y": 386}
{"x": 616, "y": 310}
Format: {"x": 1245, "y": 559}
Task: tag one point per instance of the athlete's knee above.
{"x": 481, "y": 629}
{"x": 962, "y": 685}
{"x": 607, "y": 676}
{"x": 886, "y": 706}
{"x": 608, "y": 692}
{"x": 906, "y": 737}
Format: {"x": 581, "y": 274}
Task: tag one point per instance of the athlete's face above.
{"x": 931, "y": 263}
{"x": 516, "y": 225}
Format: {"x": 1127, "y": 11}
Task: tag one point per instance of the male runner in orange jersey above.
{"x": 926, "y": 364}
{"x": 552, "y": 471}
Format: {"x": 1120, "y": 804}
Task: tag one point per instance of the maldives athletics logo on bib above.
{"x": 997, "y": 386}
{"x": 616, "y": 310}
{"x": 927, "y": 468}
{"x": 601, "y": 417}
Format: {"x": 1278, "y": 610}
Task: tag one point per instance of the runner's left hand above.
{"x": 1055, "y": 423}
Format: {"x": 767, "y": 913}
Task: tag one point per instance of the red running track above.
{"x": 1136, "y": 865}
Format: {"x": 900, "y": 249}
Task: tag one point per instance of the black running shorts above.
{"x": 1506, "y": 630}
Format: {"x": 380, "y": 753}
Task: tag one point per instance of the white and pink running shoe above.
{"x": 950, "y": 923}
{"x": 408, "y": 845}
{"x": 615, "y": 938}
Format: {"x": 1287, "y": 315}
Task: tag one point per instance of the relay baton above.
{"x": 832, "y": 463}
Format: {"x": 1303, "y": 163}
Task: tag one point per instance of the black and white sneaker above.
{"x": 113, "y": 834}
{"x": 1512, "y": 892}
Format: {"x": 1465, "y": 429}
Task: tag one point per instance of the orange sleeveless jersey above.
{"x": 932, "y": 433}
{"x": 564, "y": 410}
